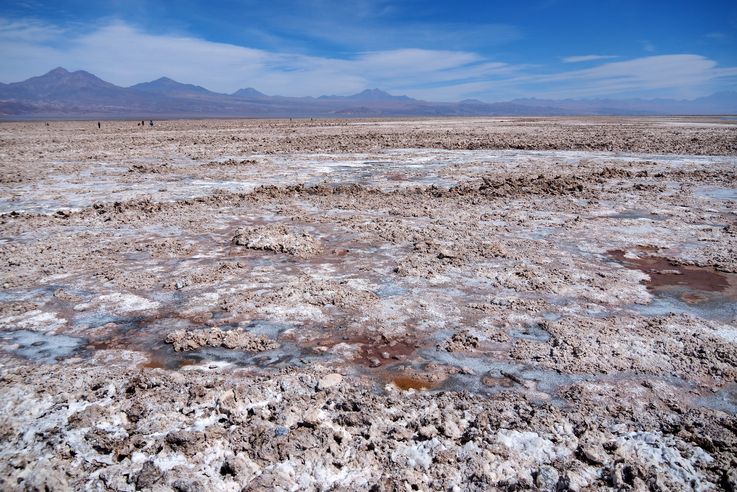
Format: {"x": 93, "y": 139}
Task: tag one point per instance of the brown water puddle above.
{"x": 159, "y": 360}
{"x": 415, "y": 382}
{"x": 668, "y": 273}
{"x": 701, "y": 290}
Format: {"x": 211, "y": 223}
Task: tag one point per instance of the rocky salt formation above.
{"x": 163, "y": 430}
{"x": 460, "y": 342}
{"x": 237, "y": 339}
{"x": 277, "y": 238}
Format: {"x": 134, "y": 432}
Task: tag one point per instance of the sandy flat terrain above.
{"x": 496, "y": 303}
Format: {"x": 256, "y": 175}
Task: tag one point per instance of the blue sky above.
{"x": 427, "y": 49}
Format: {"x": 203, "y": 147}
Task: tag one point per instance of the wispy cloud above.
{"x": 28, "y": 31}
{"x": 382, "y": 36}
{"x": 586, "y": 58}
{"x": 364, "y": 25}
{"x": 678, "y": 76}
{"x": 683, "y": 75}
{"x": 648, "y": 46}
{"x": 718, "y": 36}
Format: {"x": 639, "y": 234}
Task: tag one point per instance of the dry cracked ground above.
{"x": 450, "y": 304}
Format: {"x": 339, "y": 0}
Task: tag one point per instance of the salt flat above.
{"x": 509, "y": 303}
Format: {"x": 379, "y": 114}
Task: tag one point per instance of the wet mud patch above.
{"x": 502, "y": 379}
{"x": 681, "y": 287}
{"x": 637, "y": 214}
{"x": 41, "y": 347}
{"x": 383, "y": 351}
{"x": 173, "y": 342}
{"x": 142, "y": 334}
{"x": 717, "y": 193}
{"x": 536, "y": 332}
{"x": 665, "y": 273}
{"x": 288, "y": 355}
{"x": 364, "y": 352}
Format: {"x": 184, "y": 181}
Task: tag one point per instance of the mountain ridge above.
{"x": 60, "y": 92}
{"x": 369, "y": 95}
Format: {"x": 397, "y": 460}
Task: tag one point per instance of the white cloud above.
{"x": 125, "y": 55}
{"x": 585, "y": 58}
{"x": 681, "y": 75}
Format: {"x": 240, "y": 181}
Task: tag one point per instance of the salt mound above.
{"x": 186, "y": 340}
{"x": 277, "y": 238}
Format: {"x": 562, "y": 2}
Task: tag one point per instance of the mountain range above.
{"x": 63, "y": 94}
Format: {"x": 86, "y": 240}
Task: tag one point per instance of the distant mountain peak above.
{"x": 169, "y": 85}
{"x": 164, "y": 80}
{"x": 374, "y": 93}
{"x": 58, "y": 71}
{"x": 62, "y": 78}
{"x": 249, "y": 92}
{"x": 63, "y": 73}
{"x": 377, "y": 95}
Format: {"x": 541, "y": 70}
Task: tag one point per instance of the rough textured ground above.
{"x": 466, "y": 304}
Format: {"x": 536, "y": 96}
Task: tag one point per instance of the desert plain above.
{"x": 399, "y": 304}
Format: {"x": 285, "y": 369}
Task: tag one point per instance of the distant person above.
{"x": 143, "y": 123}
{"x": 98, "y": 124}
{"x": 151, "y": 122}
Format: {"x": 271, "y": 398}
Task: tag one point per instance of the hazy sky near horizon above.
{"x": 433, "y": 50}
